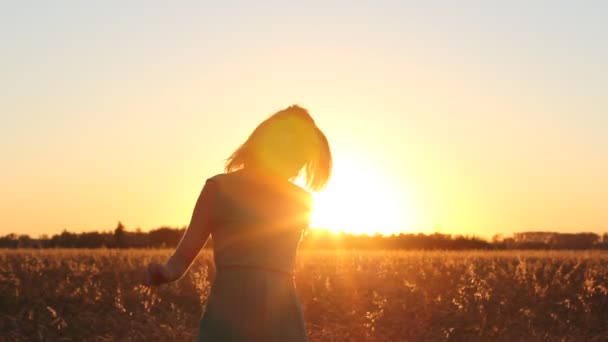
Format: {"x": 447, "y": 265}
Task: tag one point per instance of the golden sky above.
{"x": 469, "y": 119}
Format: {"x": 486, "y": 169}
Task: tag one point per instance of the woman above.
{"x": 256, "y": 217}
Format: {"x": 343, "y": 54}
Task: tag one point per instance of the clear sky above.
{"x": 473, "y": 117}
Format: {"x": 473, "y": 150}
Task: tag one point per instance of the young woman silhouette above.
{"x": 256, "y": 217}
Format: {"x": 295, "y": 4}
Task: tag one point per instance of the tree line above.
{"x": 168, "y": 237}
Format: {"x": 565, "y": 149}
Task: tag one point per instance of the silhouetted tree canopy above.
{"x": 167, "y": 237}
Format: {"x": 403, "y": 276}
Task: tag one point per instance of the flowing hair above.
{"x": 286, "y": 143}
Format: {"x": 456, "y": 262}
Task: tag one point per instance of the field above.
{"x": 93, "y": 295}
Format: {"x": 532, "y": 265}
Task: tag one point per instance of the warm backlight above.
{"x": 359, "y": 201}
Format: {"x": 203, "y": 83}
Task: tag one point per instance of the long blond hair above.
{"x": 287, "y": 142}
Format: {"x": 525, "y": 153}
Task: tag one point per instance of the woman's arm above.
{"x": 191, "y": 243}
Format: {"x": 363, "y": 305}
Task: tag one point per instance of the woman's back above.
{"x": 256, "y": 229}
{"x": 257, "y": 223}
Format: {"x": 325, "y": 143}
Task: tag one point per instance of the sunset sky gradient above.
{"x": 473, "y": 117}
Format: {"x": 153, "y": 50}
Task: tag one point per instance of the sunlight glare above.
{"x": 360, "y": 201}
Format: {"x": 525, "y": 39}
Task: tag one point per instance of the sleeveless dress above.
{"x": 257, "y": 226}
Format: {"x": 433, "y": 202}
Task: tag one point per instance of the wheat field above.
{"x": 94, "y": 295}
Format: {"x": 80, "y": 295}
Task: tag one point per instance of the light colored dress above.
{"x": 257, "y": 226}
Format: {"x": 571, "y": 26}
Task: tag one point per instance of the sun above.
{"x": 360, "y": 201}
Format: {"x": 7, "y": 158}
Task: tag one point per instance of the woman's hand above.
{"x": 156, "y": 274}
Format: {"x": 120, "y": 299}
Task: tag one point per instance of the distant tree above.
{"x": 9, "y": 241}
{"x": 138, "y": 239}
{"x": 499, "y": 242}
{"x": 497, "y": 238}
{"x": 165, "y": 237}
{"x": 119, "y": 235}
{"x": 65, "y": 239}
{"x": 24, "y": 241}
{"x": 574, "y": 241}
{"x": 90, "y": 240}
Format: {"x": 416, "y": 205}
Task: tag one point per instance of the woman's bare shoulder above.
{"x": 224, "y": 177}
{"x": 217, "y": 178}
{"x": 229, "y": 181}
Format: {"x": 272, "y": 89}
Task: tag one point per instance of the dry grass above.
{"x": 94, "y": 295}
